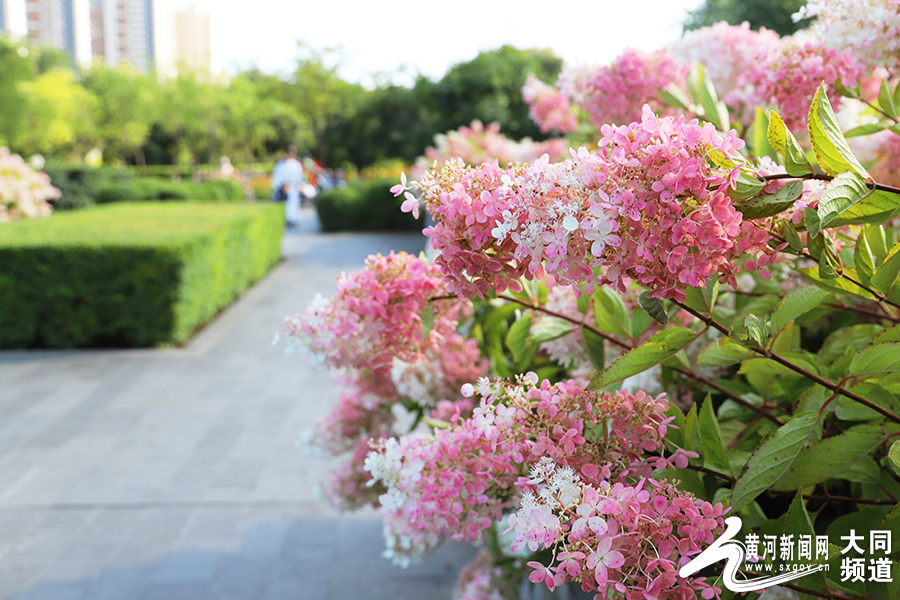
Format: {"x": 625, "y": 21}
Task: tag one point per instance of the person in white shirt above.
{"x": 288, "y": 176}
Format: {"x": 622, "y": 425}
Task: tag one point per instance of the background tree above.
{"x": 14, "y": 68}
{"x": 771, "y": 14}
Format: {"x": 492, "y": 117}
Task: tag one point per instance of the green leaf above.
{"x": 593, "y": 343}
{"x": 723, "y": 352}
{"x": 758, "y": 139}
{"x": 692, "y": 435}
{"x": 888, "y": 335}
{"x": 610, "y": 312}
{"x": 675, "y": 97}
{"x": 658, "y": 348}
{"x": 886, "y": 99}
{"x": 850, "y": 410}
{"x": 885, "y": 276}
{"x": 711, "y": 438}
{"x": 783, "y": 141}
{"x": 867, "y": 129}
{"x": 874, "y": 209}
{"x": 773, "y": 458}
{"x": 829, "y": 458}
{"x": 855, "y": 337}
{"x": 550, "y": 328}
{"x": 676, "y": 436}
{"x": 714, "y": 110}
{"x": 703, "y": 299}
{"x": 863, "y": 259}
{"x": 797, "y": 521}
{"x": 797, "y": 302}
{"x": 894, "y": 457}
{"x": 789, "y": 232}
{"x": 758, "y": 329}
{"x": 747, "y": 186}
{"x": 840, "y": 285}
{"x": 840, "y": 195}
{"x": 832, "y": 151}
{"x": 760, "y": 207}
{"x": 427, "y": 320}
{"x": 882, "y": 358}
{"x": 653, "y": 307}
{"x": 517, "y": 336}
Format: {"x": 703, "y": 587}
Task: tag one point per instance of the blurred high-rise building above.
{"x": 64, "y": 24}
{"x": 137, "y": 32}
{"x": 192, "y": 41}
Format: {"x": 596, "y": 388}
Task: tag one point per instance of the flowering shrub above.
{"x": 750, "y": 274}
{"x": 549, "y": 107}
{"x": 24, "y": 192}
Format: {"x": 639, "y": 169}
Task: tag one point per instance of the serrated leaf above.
{"x": 840, "y": 195}
{"x": 760, "y": 207}
{"x": 840, "y": 285}
{"x": 722, "y": 353}
{"x": 797, "y": 302}
{"x": 885, "y": 276}
{"x": 593, "y": 343}
{"x": 882, "y": 358}
{"x": 828, "y": 142}
{"x": 610, "y": 312}
{"x": 774, "y": 456}
{"x": 711, "y": 438}
{"x": 517, "y": 336}
{"x": 894, "y": 457}
{"x": 658, "y": 348}
{"x": 653, "y": 307}
{"x": 758, "y": 329}
{"x": 783, "y": 142}
{"x": 427, "y": 320}
{"x": 888, "y": 335}
{"x": 856, "y": 337}
{"x": 873, "y": 209}
{"x": 850, "y": 410}
{"x": 550, "y": 328}
{"x": 867, "y": 129}
{"x": 692, "y": 437}
{"x": 829, "y": 458}
{"x": 886, "y": 99}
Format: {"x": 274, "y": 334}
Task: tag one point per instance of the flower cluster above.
{"x": 616, "y": 92}
{"x": 477, "y": 144}
{"x": 649, "y": 206}
{"x": 868, "y": 28}
{"x": 349, "y": 486}
{"x": 24, "y": 192}
{"x": 628, "y": 539}
{"x": 376, "y": 315}
{"x": 790, "y": 75}
{"x": 480, "y": 580}
{"x": 726, "y": 51}
{"x": 548, "y": 107}
{"x": 459, "y": 480}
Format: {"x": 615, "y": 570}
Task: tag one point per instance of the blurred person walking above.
{"x": 287, "y": 178}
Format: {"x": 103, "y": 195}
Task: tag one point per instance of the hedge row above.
{"x": 84, "y": 186}
{"x": 130, "y": 274}
{"x": 364, "y": 206}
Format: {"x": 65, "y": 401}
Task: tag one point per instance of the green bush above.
{"x": 153, "y": 188}
{"x": 80, "y": 183}
{"x": 129, "y": 275}
{"x": 364, "y": 206}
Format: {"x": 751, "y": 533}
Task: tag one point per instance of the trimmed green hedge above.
{"x": 152, "y": 188}
{"x": 130, "y": 274}
{"x": 364, "y": 206}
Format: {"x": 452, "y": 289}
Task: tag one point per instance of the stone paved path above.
{"x": 174, "y": 474}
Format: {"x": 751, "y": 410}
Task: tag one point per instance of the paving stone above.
{"x": 174, "y": 473}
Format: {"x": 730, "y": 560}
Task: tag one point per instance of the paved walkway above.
{"x": 174, "y": 474}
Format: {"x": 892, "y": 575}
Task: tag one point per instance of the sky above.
{"x": 400, "y": 38}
